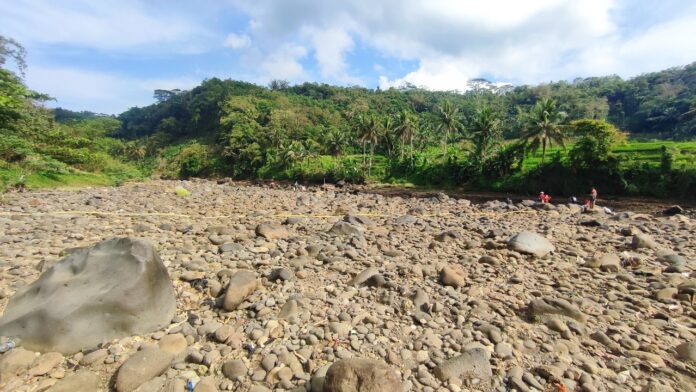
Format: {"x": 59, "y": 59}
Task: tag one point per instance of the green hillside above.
{"x": 626, "y": 136}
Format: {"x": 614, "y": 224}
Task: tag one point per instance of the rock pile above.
{"x": 329, "y": 289}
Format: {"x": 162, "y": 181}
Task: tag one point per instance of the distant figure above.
{"x": 593, "y": 198}
{"x": 544, "y": 198}
{"x": 21, "y": 183}
{"x": 294, "y": 186}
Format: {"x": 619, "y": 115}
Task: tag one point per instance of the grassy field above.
{"x": 12, "y": 176}
{"x": 633, "y": 152}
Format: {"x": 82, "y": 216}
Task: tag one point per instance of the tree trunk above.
{"x": 411, "y": 142}
{"x": 543, "y": 152}
{"x": 401, "y": 148}
{"x": 363, "y": 143}
{"x": 372, "y": 153}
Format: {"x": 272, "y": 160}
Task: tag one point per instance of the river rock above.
{"x": 272, "y": 231}
{"x": 82, "y": 381}
{"x": 554, "y": 306}
{"x": 641, "y": 240}
{"x": 473, "y": 363}
{"x": 361, "y": 375}
{"x": 345, "y": 229}
{"x": 531, "y": 243}
{"x": 114, "y": 289}
{"x": 450, "y": 276}
{"x": 142, "y": 367}
{"x": 241, "y": 285}
{"x": 687, "y": 351}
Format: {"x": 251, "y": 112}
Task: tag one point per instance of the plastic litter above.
{"x": 7, "y": 346}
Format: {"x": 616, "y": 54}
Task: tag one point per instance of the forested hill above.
{"x": 659, "y": 104}
{"x": 561, "y": 137}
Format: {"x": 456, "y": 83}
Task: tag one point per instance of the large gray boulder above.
{"x": 531, "y": 243}
{"x": 116, "y": 288}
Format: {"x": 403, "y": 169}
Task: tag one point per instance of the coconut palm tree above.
{"x": 543, "y": 126}
{"x": 387, "y": 130}
{"x": 449, "y": 122}
{"x": 405, "y": 129}
{"x": 485, "y": 132}
{"x": 368, "y": 130}
{"x": 334, "y": 141}
{"x": 292, "y": 152}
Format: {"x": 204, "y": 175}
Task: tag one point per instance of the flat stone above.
{"x": 550, "y": 306}
{"x": 141, "y": 367}
{"x": 531, "y": 243}
{"x": 82, "y": 381}
{"x": 272, "y": 231}
{"x": 473, "y": 363}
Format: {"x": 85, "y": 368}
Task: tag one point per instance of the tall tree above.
{"x": 543, "y": 126}
{"x": 484, "y": 126}
{"x": 369, "y": 134}
{"x": 405, "y": 129}
{"x": 387, "y": 132}
{"x": 449, "y": 122}
{"x": 334, "y": 141}
{"x": 14, "y": 50}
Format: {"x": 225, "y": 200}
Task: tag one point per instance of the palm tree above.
{"x": 485, "y": 129}
{"x": 387, "y": 129}
{"x": 449, "y": 122}
{"x": 369, "y": 133}
{"x": 291, "y": 153}
{"x": 405, "y": 129}
{"x": 334, "y": 141}
{"x": 543, "y": 126}
{"x": 134, "y": 150}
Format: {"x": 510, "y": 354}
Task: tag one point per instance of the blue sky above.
{"x": 107, "y": 56}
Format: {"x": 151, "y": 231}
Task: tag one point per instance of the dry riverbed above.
{"x": 433, "y": 289}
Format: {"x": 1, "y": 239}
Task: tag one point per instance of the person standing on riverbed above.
{"x": 593, "y": 198}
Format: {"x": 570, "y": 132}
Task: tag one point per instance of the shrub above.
{"x": 13, "y": 148}
{"x": 193, "y": 160}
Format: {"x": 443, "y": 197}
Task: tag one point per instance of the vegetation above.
{"x": 38, "y": 151}
{"x": 561, "y": 136}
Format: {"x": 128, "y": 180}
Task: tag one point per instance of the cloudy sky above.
{"x": 107, "y": 56}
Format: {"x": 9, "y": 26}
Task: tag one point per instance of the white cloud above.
{"x": 330, "y": 46}
{"x": 450, "y": 41}
{"x": 125, "y": 25}
{"x": 284, "y": 63}
{"x": 100, "y": 92}
{"x": 235, "y": 41}
{"x": 454, "y": 40}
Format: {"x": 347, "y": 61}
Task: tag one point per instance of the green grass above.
{"x": 114, "y": 173}
{"x": 632, "y": 152}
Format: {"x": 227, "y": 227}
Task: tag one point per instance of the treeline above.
{"x": 657, "y": 104}
{"x": 317, "y": 132}
{"x": 481, "y": 137}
